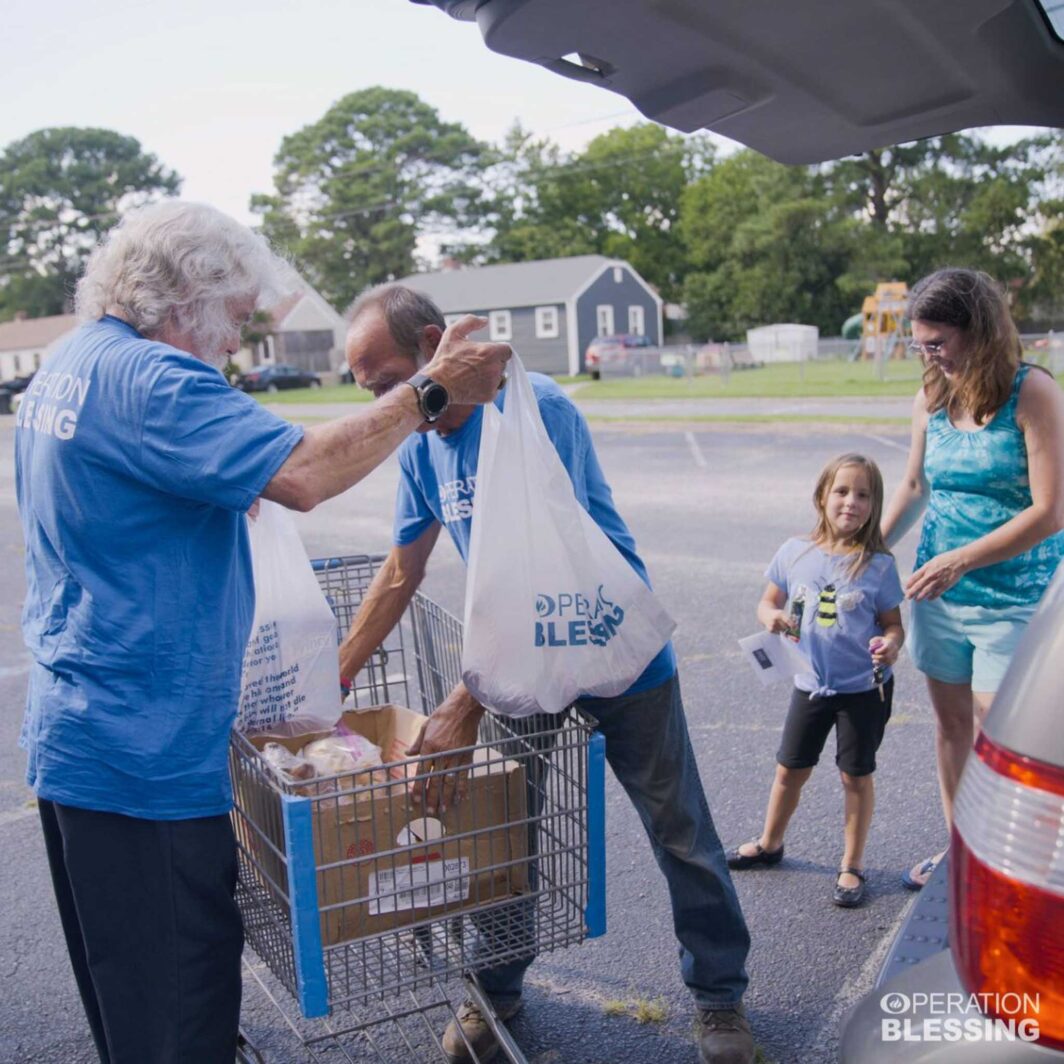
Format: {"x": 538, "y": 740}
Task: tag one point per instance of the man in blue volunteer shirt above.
{"x": 135, "y": 465}
{"x": 393, "y": 331}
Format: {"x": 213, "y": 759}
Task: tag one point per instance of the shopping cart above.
{"x": 538, "y": 883}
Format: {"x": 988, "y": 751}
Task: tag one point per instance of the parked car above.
{"x": 11, "y": 393}
{"x": 277, "y": 377}
{"x": 624, "y": 355}
{"x": 16, "y": 384}
{"x": 985, "y": 939}
{"x": 804, "y": 83}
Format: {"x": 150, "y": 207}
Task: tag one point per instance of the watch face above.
{"x": 434, "y": 399}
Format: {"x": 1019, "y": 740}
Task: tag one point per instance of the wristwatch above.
{"x": 432, "y": 397}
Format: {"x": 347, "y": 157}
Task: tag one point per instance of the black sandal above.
{"x": 849, "y": 897}
{"x": 767, "y": 858}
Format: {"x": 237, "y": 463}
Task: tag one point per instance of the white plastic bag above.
{"x": 553, "y": 610}
{"x": 291, "y": 665}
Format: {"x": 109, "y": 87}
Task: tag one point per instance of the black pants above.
{"x": 153, "y": 932}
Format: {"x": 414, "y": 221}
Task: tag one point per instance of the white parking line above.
{"x": 856, "y": 986}
{"x": 888, "y": 443}
{"x": 696, "y": 451}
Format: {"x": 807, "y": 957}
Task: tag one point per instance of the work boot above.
{"x": 476, "y": 1031}
{"x": 724, "y": 1036}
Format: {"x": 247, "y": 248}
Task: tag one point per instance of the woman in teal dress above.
{"x": 987, "y": 465}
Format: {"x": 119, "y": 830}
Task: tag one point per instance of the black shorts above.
{"x": 859, "y": 720}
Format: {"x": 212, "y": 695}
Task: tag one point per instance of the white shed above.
{"x": 783, "y": 343}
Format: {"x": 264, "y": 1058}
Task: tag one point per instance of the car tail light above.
{"x": 1007, "y": 887}
{"x": 592, "y": 358}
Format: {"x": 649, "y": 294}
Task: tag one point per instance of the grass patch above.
{"x": 642, "y": 1010}
{"x": 646, "y": 1011}
{"x": 336, "y": 393}
{"x": 781, "y": 380}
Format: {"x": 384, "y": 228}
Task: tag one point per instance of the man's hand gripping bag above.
{"x": 553, "y": 610}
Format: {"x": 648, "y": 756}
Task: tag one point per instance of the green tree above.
{"x": 764, "y": 243}
{"x": 1041, "y": 297}
{"x": 535, "y": 206}
{"x": 355, "y": 190}
{"x": 950, "y": 199}
{"x": 60, "y": 190}
{"x": 620, "y": 197}
{"x": 635, "y": 179}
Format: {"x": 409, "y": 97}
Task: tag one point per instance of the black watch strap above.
{"x": 432, "y": 397}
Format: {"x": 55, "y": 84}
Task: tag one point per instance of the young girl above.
{"x": 844, "y": 608}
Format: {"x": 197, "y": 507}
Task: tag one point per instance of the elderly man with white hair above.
{"x": 135, "y": 465}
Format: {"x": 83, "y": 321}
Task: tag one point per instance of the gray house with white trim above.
{"x": 551, "y": 309}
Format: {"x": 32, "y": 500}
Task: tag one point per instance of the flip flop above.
{"x": 916, "y": 878}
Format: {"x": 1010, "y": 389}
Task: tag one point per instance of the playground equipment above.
{"x": 884, "y": 332}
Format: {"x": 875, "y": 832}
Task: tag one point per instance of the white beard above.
{"x": 209, "y": 349}
{"x": 218, "y": 361}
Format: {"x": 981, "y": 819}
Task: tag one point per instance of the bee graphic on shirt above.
{"x": 832, "y": 605}
{"x": 827, "y": 610}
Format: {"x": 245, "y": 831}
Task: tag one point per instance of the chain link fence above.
{"x": 695, "y": 360}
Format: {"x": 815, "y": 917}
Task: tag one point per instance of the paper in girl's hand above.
{"x": 773, "y": 658}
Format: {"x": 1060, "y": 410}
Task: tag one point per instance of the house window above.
{"x": 635, "y": 321}
{"x": 618, "y": 275}
{"x": 36, "y": 362}
{"x": 546, "y": 323}
{"x": 604, "y": 319}
{"x": 499, "y": 324}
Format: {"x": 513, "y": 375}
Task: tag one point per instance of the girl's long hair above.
{"x": 973, "y": 302}
{"x": 868, "y": 540}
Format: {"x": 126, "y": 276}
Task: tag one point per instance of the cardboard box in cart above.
{"x": 380, "y": 863}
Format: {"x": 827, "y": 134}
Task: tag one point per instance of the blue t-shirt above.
{"x": 438, "y": 483}
{"x": 979, "y": 481}
{"x": 134, "y": 465}
{"x": 839, "y": 613}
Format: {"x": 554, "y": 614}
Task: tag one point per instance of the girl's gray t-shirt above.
{"x": 838, "y": 614}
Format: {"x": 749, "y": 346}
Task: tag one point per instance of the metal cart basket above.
{"x": 368, "y": 924}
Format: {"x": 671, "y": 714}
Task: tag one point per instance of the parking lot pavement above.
{"x": 708, "y": 511}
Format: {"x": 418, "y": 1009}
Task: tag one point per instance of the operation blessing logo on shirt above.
{"x": 456, "y": 499}
{"x": 40, "y": 409}
{"x": 572, "y": 619}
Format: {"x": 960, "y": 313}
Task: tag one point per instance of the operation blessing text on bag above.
{"x": 553, "y": 610}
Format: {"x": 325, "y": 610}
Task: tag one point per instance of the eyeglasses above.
{"x": 932, "y": 348}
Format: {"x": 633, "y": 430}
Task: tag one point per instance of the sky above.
{"x": 211, "y": 88}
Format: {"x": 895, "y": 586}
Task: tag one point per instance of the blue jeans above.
{"x": 649, "y": 750}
